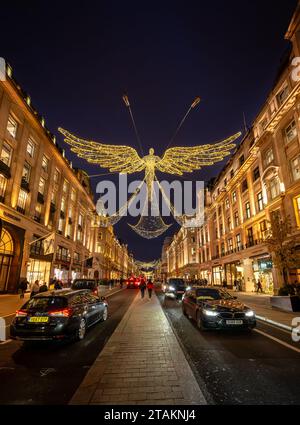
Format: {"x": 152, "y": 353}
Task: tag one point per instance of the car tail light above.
{"x": 21, "y": 313}
{"x": 64, "y": 312}
{"x": 95, "y": 292}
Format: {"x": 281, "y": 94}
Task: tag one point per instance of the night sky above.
{"x": 76, "y": 59}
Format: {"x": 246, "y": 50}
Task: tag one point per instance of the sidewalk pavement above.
{"x": 263, "y": 309}
{"x": 142, "y": 363}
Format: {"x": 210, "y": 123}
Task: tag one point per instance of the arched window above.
{"x": 6, "y": 243}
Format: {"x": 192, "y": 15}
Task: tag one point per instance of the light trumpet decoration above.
{"x": 125, "y": 159}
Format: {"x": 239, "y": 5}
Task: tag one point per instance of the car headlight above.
{"x": 249, "y": 313}
{"x": 171, "y": 288}
{"x": 210, "y": 313}
{"x": 188, "y": 288}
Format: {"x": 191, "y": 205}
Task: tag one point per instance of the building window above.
{"x": 38, "y": 213}
{"x": 69, "y": 231}
{"x": 45, "y": 164}
{"x": 250, "y": 236}
{"x": 263, "y": 228}
{"x": 22, "y": 198}
{"x": 222, "y": 248}
{"x": 229, "y": 223}
{"x": 56, "y": 176}
{"x": 290, "y": 131}
{"x": 234, "y": 197}
{"x": 236, "y": 218}
{"x": 230, "y": 244}
{"x": 282, "y": 95}
{"x": 274, "y": 188}
{"x": 241, "y": 160}
{"x": 65, "y": 186}
{"x": 269, "y": 157}
{"x": 73, "y": 195}
{"x": 30, "y": 148}
{"x": 231, "y": 174}
{"x": 26, "y": 172}
{"x": 6, "y": 154}
{"x": 264, "y": 124}
{"x": 63, "y": 205}
{"x": 193, "y": 251}
{"x": 3, "y": 183}
{"x": 248, "y": 210}
{"x": 238, "y": 241}
{"x": 256, "y": 174}
{"x": 295, "y": 166}
{"x": 12, "y": 126}
{"x": 227, "y": 205}
{"x": 260, "y": 202}
{"x": 60, "y": 225}
{"x": 42, "y": 184}
{"x": 244, "y": 185}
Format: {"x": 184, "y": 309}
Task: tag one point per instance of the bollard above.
{"x": 2, "y": 329}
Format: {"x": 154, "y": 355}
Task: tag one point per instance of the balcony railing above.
{"x": 25, "y": 184}
{"x": 239, "y": 248}
{"x": 21, "y": 210}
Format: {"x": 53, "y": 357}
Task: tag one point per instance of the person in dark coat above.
{"x": 43, "y": 288}
{"x": 259, "y": 287}
{"x": 150, "y": 287}
{"x": 23, "y": 287}
{"x": 57, "y": 285}
{"x": 143, "y": 287}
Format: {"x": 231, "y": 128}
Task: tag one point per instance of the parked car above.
{"x": 61, "y": 314}
{"x": 215, "y": 308}
{"x": 175, "y": 287}
{"x": 93, "y": 285}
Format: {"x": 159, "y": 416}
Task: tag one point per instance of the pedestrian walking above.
{"x": 23, "y": 287}
{"x": 224, "y": 283}
{"x": 150, "y": 287}
{"x": 259, "y": 287}
{"x": 35, "y": 288}
{"x": 143, "y": 287}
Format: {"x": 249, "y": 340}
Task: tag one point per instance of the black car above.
{"x": 215, "y": 308}
{"x": 175, "y": 287}
{"x": 94, "y": 285}
{"x": 56, "y": 315}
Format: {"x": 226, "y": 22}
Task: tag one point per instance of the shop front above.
{"x": 11, "y": 255}
{"x": 233, "y": 272}
{"x": 262, "y": 270}
{"x": 217, "y": 275}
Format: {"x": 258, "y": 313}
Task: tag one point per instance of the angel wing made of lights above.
{"x": 117, "y": 158}
{"x": 179, "y": 160}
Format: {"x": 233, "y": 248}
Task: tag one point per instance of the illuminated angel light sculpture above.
{"x": 125, "y": 159}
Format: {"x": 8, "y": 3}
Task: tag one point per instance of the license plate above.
{"x": 180, "y": 292}
{"x": 234, "y": 322}
{"x": 35, "y": 319}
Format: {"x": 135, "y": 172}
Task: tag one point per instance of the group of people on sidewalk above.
{"x": 36, "y": 288}
{"x": 146, "y": 285}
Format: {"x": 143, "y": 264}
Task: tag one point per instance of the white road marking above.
{"x": 272, "y": 322}
{"x": 285, "y": 344}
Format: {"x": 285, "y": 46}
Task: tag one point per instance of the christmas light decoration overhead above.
{"x": 125, "y": 159}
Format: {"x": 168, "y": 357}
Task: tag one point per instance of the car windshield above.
{"x": 212, "y": 294}
{"x": 83, "y": 284}
{"x": 176, "y": 282}
{"x": 46, "y": 303}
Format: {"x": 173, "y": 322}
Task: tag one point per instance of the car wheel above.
{"x": 200, "y": 324}
{"x": 104, "y": 315}
{"x": 80, "y": 333}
